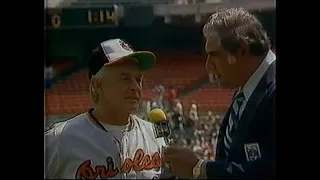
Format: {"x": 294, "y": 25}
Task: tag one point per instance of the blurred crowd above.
{"x": 197, "y": 133}
{"x": 190, "y": 128}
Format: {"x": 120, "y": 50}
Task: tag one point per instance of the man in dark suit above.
{"x": 239, "y": 55}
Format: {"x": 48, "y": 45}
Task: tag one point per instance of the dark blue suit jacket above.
{"x": 256, "y": 125}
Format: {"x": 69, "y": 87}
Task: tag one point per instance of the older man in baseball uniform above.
{"x": 108, "y": 141}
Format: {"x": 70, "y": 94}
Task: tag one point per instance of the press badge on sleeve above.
{"x": 252, "y": 151}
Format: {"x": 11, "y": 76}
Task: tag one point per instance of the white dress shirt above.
{"x": 255, "y": 78}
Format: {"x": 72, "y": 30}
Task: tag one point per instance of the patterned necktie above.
{"x": 233, "y": 120}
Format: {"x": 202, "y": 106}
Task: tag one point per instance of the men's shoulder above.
{"x": 56, "y": 129}
{"x": 141, "y": 121}
{"x": 271, "y": 100}
{"x": 63, "y": 129}
{"x": 271, "y": 94}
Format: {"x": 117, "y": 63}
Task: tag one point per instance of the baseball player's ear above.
{"x": 98, "y": 85}
{"x": 94, "y": 84}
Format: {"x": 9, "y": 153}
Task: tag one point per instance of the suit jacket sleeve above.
{"x": 262, "y": 168}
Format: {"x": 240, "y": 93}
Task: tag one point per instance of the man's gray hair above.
{"x": 100, "y": 73}
{"x": 235, "y": 26}
{"x": 93, "y": 92}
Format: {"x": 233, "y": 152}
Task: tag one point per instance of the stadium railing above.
{"x": 86, "y": 3}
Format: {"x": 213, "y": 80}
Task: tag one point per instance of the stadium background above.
{"x": 172, "y": 29}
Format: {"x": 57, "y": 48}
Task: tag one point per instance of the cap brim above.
{"x": 146, "y": 60}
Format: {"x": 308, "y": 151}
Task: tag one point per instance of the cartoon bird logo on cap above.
{"x": 125, "y": 46}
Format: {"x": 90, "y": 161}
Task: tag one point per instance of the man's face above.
{"x": 122, "y": 86}
{"x": 218, "y": 64}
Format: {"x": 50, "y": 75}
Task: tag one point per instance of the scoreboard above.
{"x": 68, "y": 18}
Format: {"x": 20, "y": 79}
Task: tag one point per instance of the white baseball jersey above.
{"x": 78, "y": 149}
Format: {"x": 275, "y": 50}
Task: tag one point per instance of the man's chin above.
{"x": 132, "y": 111}
{"x": 221, "y": 85}
{"x": 132, "y": 108}
{"x": 225, "y": 85}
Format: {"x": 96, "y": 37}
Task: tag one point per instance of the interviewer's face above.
{"x": 218, "y": 64}
{"x": 122, "y": 87}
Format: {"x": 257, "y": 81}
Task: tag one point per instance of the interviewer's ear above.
{"x": 243, "y": 50}
{"x": 232, "y": 59}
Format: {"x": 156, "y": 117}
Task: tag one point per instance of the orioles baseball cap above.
{"x": 116, "y": 51}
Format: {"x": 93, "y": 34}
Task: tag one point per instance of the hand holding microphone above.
{"x": 162, "y": 130}
{"x": 178, "y": 160}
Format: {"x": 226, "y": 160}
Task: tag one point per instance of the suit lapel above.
{"x": 254, "y": 101}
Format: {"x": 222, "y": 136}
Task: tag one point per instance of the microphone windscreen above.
{"x": 156, "y": 116}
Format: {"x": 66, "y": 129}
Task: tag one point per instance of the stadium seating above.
{"x": 177, "y": 69}
{"x": 77, "y": 82}
{"x": 209, "y": 98}
{"x": 69, "y": 96}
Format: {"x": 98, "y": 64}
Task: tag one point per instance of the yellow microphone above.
{"x": 157, "y": 115}
{"x": 161, "y": 124}
{"x": 161, "y": 128}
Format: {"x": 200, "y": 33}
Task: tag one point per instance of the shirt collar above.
{"x": 255, "y": 78}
